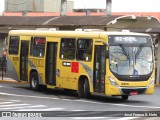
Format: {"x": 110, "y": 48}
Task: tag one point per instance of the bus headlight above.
{"x": 113, "y": 82}
{"x": 151, "y": 83}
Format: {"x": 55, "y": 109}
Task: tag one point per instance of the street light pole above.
{"x": 108, "y": 7}
{"x": 24, "y": 12}
{"x": 63, "y": 7}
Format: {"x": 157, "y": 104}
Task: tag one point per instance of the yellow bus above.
{"x": 102, "y": 63}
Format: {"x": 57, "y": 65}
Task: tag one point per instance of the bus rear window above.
{"x": 14, "y": 45}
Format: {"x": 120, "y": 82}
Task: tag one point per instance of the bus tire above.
{"x": 34, "y": 81}
{"x": 87, "y": 93}
{"x": 125, "y": 97}
{"x": 81, "y": 88}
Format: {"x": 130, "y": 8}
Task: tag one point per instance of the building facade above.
{"x": 36, "y": 5}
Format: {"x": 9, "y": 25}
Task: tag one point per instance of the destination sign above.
{"x": 129, "y": 40}
{"x": 39, "y": 40}
{"x": 125, "y": 39}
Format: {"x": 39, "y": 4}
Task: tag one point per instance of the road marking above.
{"x": 12, "y": 105}
{"x": 109, "y": 118}
{"x": 88, "y": 118}
{"x": 2, "y": 103}
{"x": 24, "y": 107}
{"x": 15, "y": 100}
{"x": 78, "y": 110}
{"x": 10, "y": 100}
{"x": 40, "y": 97}
{"x": 48, "y": 109}
{"x": 118, "y": 104}
{"x": 28, "y": 96}
{"x": 126, "y": 118}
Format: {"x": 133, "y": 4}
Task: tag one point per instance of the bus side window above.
{"x": 84, "y": 49}
{"x": 14, "y": 45}
{"x": 37, "y": 46}
{"x": 68, "y": 46}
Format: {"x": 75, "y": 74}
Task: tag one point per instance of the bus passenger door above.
{"x": 51, "y": 60}
{"x": 99, "y": 69}
{"x": 24, "y": 60}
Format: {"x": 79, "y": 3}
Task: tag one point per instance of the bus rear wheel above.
{"x": 125, "y": 97}
{"x": 34, "y": 81}
{"x": 84, "y": 89}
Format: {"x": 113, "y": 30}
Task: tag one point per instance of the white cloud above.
{"x": 120, "y": 5}
{"x": 2, "y": 6}
{"x": 89, "y": 4}
{"x": 117, "y": 5}
{"x": 135, "y": 6}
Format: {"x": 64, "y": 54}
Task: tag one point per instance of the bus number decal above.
{"x": 75, "y": 67}
{"x": 37, "y": 62}
{"x": 126, "y": 84}
{"x": 15, "y": 58}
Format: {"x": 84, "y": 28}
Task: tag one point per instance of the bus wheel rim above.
{"x": 34, "y": 83}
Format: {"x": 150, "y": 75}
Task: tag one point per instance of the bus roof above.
{"x": 69, "y": 33}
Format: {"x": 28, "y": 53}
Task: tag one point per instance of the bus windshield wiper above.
{"x": 125, "y": 52}
{"x": 138, "y": 52}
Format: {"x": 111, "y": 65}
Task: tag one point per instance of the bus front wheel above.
{"x": 125, "y": 97}
{"x": 34, "y": 81}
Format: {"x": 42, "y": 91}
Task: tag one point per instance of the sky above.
{"x": 121, "y": 5}
{"x": 1, "y": 6}
{"x": 135, "y": 5}
{"x": 117, "y": 5}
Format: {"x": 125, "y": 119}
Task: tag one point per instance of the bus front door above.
{"x": 24, "y": 60}
{"x": 99, "y": 69}
{"x": 51, "y": 60}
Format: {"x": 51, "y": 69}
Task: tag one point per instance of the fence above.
{"x": 3, "y": 67}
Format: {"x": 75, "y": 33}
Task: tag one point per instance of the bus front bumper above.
{"x": 112, "y": 90}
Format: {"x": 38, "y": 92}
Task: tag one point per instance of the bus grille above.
{"x": 139, "y": 90}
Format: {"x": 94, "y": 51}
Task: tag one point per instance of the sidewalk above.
{"x": 10, "y": 80}
{"x": 7, "y": 79}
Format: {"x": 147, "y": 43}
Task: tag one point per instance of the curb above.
{"x": 12, "y": 81}
{"x": 8, "y": 80}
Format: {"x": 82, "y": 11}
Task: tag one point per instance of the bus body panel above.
{"x": 11, "y": 70}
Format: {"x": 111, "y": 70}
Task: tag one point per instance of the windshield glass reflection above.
{"x": 127, "y": 60}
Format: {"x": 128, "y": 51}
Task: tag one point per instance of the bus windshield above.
{"x": 131, "y": 58}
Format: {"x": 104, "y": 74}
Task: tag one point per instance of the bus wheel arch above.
{"x": 83, "y": 87}
{"x": 34, "y": 80}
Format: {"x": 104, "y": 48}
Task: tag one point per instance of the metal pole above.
{"x": 87, "y": 12}
{"x": 158, "y": 62}
{"x": 108, "y": 7}
{"x": 24, "y": 12}
{"x": 2, "y": 70}
{"x": 2, "y": 66}
{"x": 63, "y": 7}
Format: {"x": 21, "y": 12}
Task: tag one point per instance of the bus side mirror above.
{"x": 107, "y": 54}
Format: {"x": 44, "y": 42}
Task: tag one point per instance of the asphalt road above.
{"x": 61, "y": 104}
